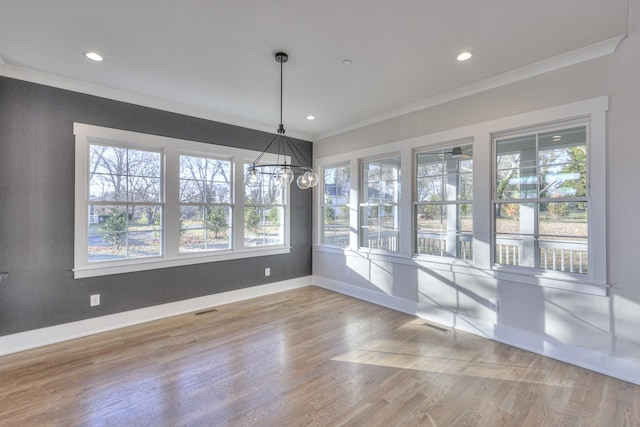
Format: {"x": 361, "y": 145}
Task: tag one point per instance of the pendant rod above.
{"x": 281, "y": 125}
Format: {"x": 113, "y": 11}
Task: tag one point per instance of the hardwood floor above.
{"x": 302, "y": 357}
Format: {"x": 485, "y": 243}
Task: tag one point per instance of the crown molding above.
{"x": 47, "y": 79}
{"x": 563, "y": 60}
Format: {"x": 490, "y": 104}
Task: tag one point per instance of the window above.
{"x": 541, "y": 205}
{"x": 336, "y": 190}
{"x": 518, "y": 199}
{"x": 205, "y": 204}
{"x": 145, "y": 201}
{"x": 264, "y": 212}
{"x": 443, "y": 210}
{"x": 124, "y": 204}
{"x": 380, "y": 204}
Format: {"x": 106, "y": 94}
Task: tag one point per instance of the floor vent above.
{"x": 198, "y": 313}
{"x": 437, "y": 328}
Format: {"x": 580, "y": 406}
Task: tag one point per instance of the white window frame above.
{"x": 128, "y": 204}
{"x": 453, "y": 241}
{"x": 171, "y": 148}
{"x": 593, "y": 206}
{"x": 283, "y": 204}
{"x": 594, "y": 110}
{"x": 362, "y": 203}
{"x": 230, "y": 204}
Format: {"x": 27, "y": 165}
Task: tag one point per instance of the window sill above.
{"x": 130, "y": 266}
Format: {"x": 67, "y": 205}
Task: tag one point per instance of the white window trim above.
{"x": 594, "y": 199}
{"x": 481, "y": 135}
{"x": 360, "y": 203}
{"x": 230, "y": 204}
{"x": 171, "y": 148}
{"x": 414, "y": 196}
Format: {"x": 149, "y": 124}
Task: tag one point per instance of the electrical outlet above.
{"x": 267, "y": 271}
{"x": 94, "y": 300}
{"x": 494, "y": 304}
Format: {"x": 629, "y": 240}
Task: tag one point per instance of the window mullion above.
{"x": 171, "y": 218}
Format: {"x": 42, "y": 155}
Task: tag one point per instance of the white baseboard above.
{"x": 53, "y": 334}
{"x": 613, "y": 366}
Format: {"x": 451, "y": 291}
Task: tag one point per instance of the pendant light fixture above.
{"x": 282, "y": 173}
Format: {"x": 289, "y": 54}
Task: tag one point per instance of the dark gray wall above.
{"x": 37, "y": 149}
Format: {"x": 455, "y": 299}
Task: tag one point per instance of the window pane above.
{"x": 444, "y": 230}
{"x": 336, "y": 187}
{"x": 507, "y": 218}
{"x": 205, "y": 180}
{"x": 430, "y": 189}
{"x": 265, "y": 193}
{"x": 431, "y": 230}
{"x": 144, "y": 189}
{"x": 143, "y": 218}
{"x": 117, "y": 232}
{"x": 143, "y": 244}
{"x": 339, "y": 176}
{"x": 373, "y": 192}
{"x": 390, "y": 191}
{"x": 205, "y": 228}
{"x": 336, "y": 226}
{"x": 566, "y": 219}
{"x": 563, "y": 237}
{"x": 568, "y": 180}
{"x": 193, "y": 240}
{"x": 516, "y": 183}
{"x": 218, "y": 226}
{"x": 516, "y": 152}
{"x": 191, "y": 191}
{"x": 263, "y": 226}
{"x": 379, "y": 229}
{"x": 107, "y": 188}
{"x": 465, "y": 186}
{"x": 465, "y": 213}
{"x": 193, "y": 236}
{"x": 465, "y": 231}
{"x": 143, "y": 231}
{"x": 107, "y": 236}
{"x": 561, "y": 139}
{"x": 430, "y": 164}
{"x": 193, "y": 168}
{"x": 119, "y": 174}
{"x": 104, "y": 247}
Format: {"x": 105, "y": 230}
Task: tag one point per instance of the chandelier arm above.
{"x": 265, "y": 150}
{"x": 296, "y": 151}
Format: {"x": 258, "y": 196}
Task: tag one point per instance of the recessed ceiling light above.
{"x": 94, "y": 56}
{"x": 464, "y": 56}
{"x": 347, "y": 62}
{"x": 311, "y": 117}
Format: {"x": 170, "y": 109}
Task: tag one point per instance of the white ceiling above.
{"x": 216, "y": 57}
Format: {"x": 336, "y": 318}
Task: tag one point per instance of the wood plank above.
{"x": 302, "y": 357}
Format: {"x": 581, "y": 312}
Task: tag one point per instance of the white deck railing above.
{"x": 436, "y": 244}
{"x": 556, "y": 255}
